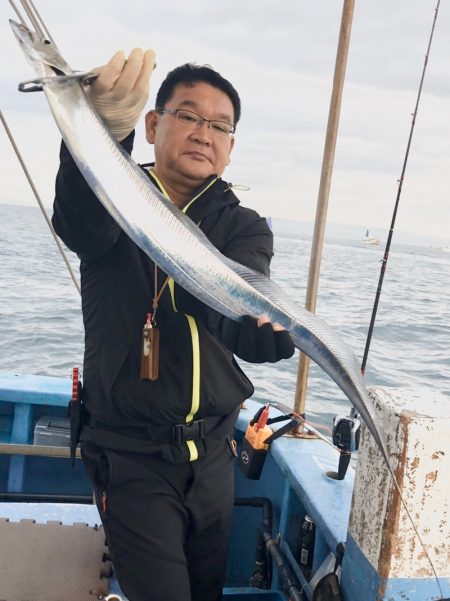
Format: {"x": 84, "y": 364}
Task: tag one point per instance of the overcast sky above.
{"x": 280, "y": 56}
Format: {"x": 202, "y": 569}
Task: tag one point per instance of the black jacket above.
{"x": 117, "y": 281}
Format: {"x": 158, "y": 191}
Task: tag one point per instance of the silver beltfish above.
{"x": 172, "y": 240}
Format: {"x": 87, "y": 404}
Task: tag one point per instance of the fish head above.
{"x": 40, "y": 52}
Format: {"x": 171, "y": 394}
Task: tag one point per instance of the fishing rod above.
{"x": 383, "y": 270}
{"x": 397, "y": 201}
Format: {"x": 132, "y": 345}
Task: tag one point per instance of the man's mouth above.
{"x": 197, "y": 156}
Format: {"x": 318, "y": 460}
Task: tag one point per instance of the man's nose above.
{"x": 203, "y": 132}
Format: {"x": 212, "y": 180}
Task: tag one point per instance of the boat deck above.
{"x": 57, "y": 552}
{"x": 293, "y": 480}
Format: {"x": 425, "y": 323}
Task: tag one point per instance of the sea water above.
{"x": 41, "y": 330}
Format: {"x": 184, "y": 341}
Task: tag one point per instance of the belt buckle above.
{"x": 194, "y": 430}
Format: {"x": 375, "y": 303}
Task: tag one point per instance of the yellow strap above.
{"x": 193, "y": 451}
{"x": 195, "y": 368}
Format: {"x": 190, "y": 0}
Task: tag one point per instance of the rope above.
{"x": 34, "y": 17}
{"x": 36, "y": 194}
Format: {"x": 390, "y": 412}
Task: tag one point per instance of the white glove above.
{"x": 121, "y": 90}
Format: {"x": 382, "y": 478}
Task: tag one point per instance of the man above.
{"x": 158, "y": 443}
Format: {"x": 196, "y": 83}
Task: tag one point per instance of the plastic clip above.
{"x": 36, "y": 85}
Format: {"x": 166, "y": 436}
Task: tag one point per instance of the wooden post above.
{"x": 324, "y": 190}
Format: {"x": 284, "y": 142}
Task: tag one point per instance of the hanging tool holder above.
{"x": 76, "y": 413}
{"x": 258, "y": 437}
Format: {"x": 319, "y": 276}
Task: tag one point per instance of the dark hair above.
{"x": 190, "y": 74}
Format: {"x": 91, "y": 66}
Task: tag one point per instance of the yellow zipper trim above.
{"x": 199, "y": 194}
{"x": 171, "y": 283}
{"x": 157, "y": 180}
{"x": 195, "y": 403}
{"x": 163, "y": 190}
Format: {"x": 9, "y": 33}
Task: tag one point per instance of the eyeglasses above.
{"x": 194, "y": 121}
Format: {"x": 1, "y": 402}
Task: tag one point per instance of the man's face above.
{"x": 188, "y": 155}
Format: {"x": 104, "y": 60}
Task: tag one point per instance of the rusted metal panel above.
{"x": 416, "y": 425}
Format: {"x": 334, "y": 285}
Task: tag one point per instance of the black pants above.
{"x": 167, "y": 525}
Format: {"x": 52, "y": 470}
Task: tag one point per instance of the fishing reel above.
{"x": 346, "y": 434}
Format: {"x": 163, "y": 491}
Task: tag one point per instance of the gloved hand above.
{"x": 121, "y": 90}
{"x": 257, "y": 341}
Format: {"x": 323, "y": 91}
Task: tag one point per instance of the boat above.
{"x": 445, "y": 249}
{"x": 47, "y": 504}
{"x": 368, "y": 239}
{"x": 312, "y": 526}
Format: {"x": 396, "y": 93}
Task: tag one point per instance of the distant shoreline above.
{"x": 334, "y": 231}
{"x": 354, "y": 233}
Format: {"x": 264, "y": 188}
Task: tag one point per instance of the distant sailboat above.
{"x": 370, "y": 239}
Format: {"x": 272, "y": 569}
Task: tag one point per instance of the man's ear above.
{"x": 150, "y": 126}
{"x": 231, "y": 148}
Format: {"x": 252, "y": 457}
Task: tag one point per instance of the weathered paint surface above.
{"x": 416, "y": 427}
{"x": 361, "y": 582}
